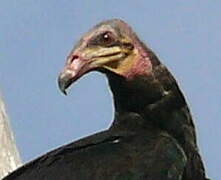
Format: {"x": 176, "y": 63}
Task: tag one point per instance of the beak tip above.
{"x": 62, "y": 85}
{"x": 65, "y": 92}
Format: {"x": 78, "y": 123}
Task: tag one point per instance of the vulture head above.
{"x": 110, "y": 47}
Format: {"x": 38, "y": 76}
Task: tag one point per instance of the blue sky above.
{"x": 36, "y": 36}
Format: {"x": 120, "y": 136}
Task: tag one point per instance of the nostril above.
{"x": 73, "y": 58}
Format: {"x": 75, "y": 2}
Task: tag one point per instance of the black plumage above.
{"x": 152, "y": 136}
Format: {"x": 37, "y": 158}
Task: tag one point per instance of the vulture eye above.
{"x": 106, "y": 38}
{"x": 103, "y": 39}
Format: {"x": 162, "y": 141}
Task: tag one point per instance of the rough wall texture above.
{"x": 9, "y": 156}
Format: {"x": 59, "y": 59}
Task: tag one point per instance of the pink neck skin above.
{"x": 142, "y": 66}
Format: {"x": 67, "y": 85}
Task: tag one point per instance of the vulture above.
{"x": 152, "y": 136}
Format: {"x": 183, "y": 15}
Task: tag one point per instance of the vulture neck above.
{"x": 131, "y": 98}
{"x": 146, "y": 100}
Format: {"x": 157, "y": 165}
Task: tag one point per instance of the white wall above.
{"x": 9, "y": 156}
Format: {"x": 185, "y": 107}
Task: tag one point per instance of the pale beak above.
{"x": 74, "y": 69}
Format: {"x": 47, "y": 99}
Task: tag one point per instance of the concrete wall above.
{"x": 9, "y": 156}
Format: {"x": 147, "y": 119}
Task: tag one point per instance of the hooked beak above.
{"x": 74, "y": 69}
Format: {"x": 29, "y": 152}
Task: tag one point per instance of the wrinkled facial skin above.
{"x": 110, "y": 46}
{"x": 103, "y": 48}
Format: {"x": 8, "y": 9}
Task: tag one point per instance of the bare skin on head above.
{"x": 111, "y": 46}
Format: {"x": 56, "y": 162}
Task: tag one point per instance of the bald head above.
{"x": 111, "y": 46}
